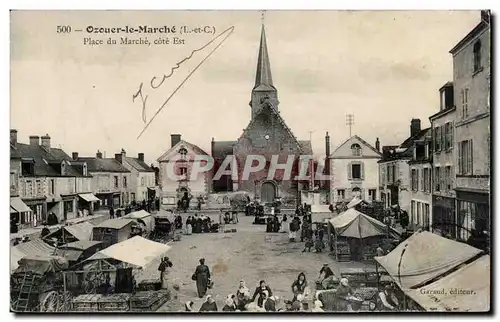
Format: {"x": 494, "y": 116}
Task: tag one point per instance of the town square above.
{"x": 236, "y": 162}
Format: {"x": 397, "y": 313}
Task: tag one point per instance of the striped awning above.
{"x": 19, "y": 205}
{"x": 88, "y": 197}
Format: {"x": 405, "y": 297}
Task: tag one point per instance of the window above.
{"x": 340, "y": 194}
{"x": 427, "y": 186}
{"x": 28, "y": 169}
{"x": 142, "y": 181}
{"x": 356, "y": 171}
{"x": 472, "y": 217}
{"x": 447, "y": 178}
{"x": 382, "y": 175}
{"x": 448, "y": 140}
{"x": 465, "y": 159}
{"x": 124, "y": 182}
{"x": 419, "y": 213}
{"x": 414, "y": 179}
{"x": 413, "y": 212}
{"x": 116, "y": 181}
{"x": 437, "y": 179}
{"x": 356, "y": 150}
{"x": 437, "y": 139}
{"x": 477, "y": 56}
{"x": 183, "y": 153}
{"x": 39, "y": 187}
{"x": 394, "y": 174}
{"x": 372, "y": 193}
{"x": 182, "y": 171}
{"x": 427, "y": 215}
{"x": 464, "y": 97}
{"x": 52, "y": 186}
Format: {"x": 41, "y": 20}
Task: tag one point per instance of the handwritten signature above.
{"x": 155, "y": 85}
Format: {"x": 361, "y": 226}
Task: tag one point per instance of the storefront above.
{"x": 443, "y": 216}
{"x": 473, "y": 209}
{"x": 86, "y": 203}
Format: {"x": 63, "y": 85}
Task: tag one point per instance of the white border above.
{"x": 185, "y": 4}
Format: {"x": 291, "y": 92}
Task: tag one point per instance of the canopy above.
{"x": 116, "y": 223}
{"x": 354, "y": 202}
{"x": 138, "y": 214}
{"x": 19, "y": 205}
{"x": 41, "y": 264}
{"x": 32, "y": 248}
{"x": 352, "y": 223}
{"x": 88, "y": 197}
{"x": 136, "y": 251}
{"x": 81, "y": 231}
{"x": 473, "y": 279}
{"x": 424, "y": 256}
{"x": 15, "y": 257}
{"x": 320, "y": 212}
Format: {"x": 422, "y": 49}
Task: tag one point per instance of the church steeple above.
{"x": 264, "y": 94}
{"x": 263, "y": 75}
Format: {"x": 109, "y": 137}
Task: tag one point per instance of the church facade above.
{"x": 266, "y": 135}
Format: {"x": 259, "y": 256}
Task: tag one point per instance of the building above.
{"x": 110, "y": 180}
{"x": 175, "y": 172}
{"x": 266, "y": 135}
{"x": 47, "y": 181}
{"x": 142, "y": 177}
{"x": 421, "y": 181}
{"x": 354, "y": 170}
{"x": 443, "y": 218}
{"x": 471, "y": 80}
{"x": 394, "y": 169}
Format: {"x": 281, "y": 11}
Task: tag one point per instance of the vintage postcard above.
{"x": 250, "y": 161}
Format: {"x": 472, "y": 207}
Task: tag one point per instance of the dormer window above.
{"x": 183, "y": 153}
{"x": 356, "y": 150}
{"x": 477, "y": 56}
{"x": 63, "y": 168}
{"x": 85, "y": 169}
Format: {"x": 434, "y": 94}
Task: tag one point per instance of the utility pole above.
{"x": 350, "y": 122}
{"x": 311, "y": 187}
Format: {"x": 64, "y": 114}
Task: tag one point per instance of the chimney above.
{"x": 414, "y": 127}
{"x": 327, "y": 144}
{"x": 213, "y": 146}
{"x": 46, "y": 141}
{"x": 13, "y": 137}
{"x": 175, "y": 138}
{"x": 74, "y": 156}
{"x": 377, "y": 145}
{"x": 34, "y": 140}
{"x": 124, "y": 154}
{"x": 140, "y": 156}
{"x": 119, "y": 157}
{"x": 98, "y": 155}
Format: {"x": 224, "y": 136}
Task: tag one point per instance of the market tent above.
{"x": 466, "y": 289}
{"x": 354, "y": 202}
{"x": 142, "y": 215}
{"x": 81, "y": 231}
{"x": 137, "y": 251}
{"x": 352, "y": 223}
{"x": 41, "y": 264}
{"x": 32, "y": 248}
{"x": 320, "y": 212}
{"x": 424, "y": 256}
{"x": 73, "y": 251}
{"x": 15, "y": 257}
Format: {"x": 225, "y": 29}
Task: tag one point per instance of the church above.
{"x": 266, "y": 135}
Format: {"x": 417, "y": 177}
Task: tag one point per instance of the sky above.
{"x": 384, "y": 67}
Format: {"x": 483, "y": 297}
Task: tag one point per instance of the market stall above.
{"x": 78, "y": 251}
{"x": 356, "y": 236}
{"x": 71, "y": 233}
{"x": 113, "y": 231}
{"x": 143, "y": 217}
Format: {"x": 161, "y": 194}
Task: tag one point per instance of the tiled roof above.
{"x": 103, "y": 165}
{"x": 409, "y": 141}
{"x": 47, "y": 162}
{"x": 139, "y": 165}
{"x": 221, "y": 149}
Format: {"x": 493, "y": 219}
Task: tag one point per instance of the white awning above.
{"x": 19, "y": 205}
{"x": 88, "y": 197}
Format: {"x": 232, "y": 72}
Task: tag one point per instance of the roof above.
{"x": 356, "y": 137}
{"x": 80, "y": 245}
{"x": 137, "y": 251}
{"x": 263, "y": 77}
{"x": 32, "y": 248}
{"x": 426, "y": 256}
{"x": 478, "y": 29}
{"x": 47, "y": 161}
{"x": 409, "y": 141}
{"x": 196, "y": 149}
{"x": 116, "y": 223}
{"x": 404, "y": 149}
{"x": 139, "y": 165}
{"x": 320, "y": 213}
{"x": 221, "y": 149}
{"x": 103, "y": 165}
{"x": 474, "y": 277}
{"x": 81, "y": 231}
{"x": 355, "y": 224}
{"x": 138, "y": 214}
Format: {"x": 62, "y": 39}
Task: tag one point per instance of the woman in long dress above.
{"x": 202, "y": 275}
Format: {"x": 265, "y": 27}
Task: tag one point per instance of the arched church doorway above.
{"x": 268, "y": 192}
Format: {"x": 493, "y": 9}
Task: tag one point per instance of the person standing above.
{"x": 111, "y": 213}
{"x": 202, "y": 277}
{"x": 165, "y": 263}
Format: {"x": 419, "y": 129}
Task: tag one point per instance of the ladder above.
{"x": 25, "y": 293}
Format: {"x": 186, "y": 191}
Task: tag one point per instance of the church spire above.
{"x": 263, "y": 75}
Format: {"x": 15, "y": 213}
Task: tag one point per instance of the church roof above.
{"x": 221, "y": 149}
{"x": 263, "y": 77}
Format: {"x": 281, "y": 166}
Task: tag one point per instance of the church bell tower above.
{"x": 264, "y": 94}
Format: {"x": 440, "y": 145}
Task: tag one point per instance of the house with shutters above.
{"x": 175, "y": 172}
{"x": 394, "y": 169}
{"x": 265, "y": 135}
{"x": 354, "y": 170}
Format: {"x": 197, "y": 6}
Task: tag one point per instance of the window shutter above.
{"x": 362, "y": 166}
{"x": 459, "y": 159}
{"x": 421, "y": 179}
{"x": 452, "y": 130}
{"x": 443, "y": 138}
{"x": 349, "y": 170}
{"x": 470, "y": 158}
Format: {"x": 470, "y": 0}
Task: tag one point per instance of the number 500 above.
{"x": 63, "y": 29}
